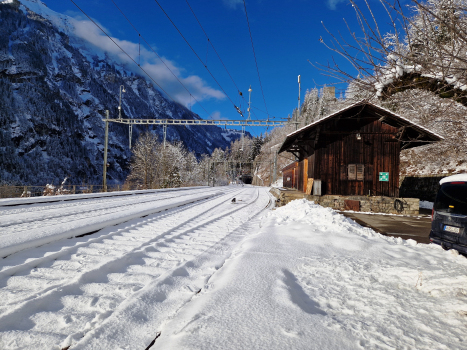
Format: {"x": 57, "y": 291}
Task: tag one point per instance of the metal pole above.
{"x": 274, "y": 178}
{"x": 243, "y": 132}
{"x": 120, "y": 102}
{"x": 104, "y": 172}
{"x": 270, "y": 173}
{"x": 249, "y": 102}
{"x": 298, "y": 114}
{"x": 131, "y": 133}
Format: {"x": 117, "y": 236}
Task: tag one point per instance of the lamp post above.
{"x": 122, "y": 89}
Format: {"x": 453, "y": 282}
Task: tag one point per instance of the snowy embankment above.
{"x": 33, "y": 226}
{"x": 115, "y": 288}
{"x": 312, "y": 279}
{"x": 71, "y": 197}
{"x": 213, "y": 274}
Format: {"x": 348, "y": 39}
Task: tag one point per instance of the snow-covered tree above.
{"x": 144, "y": 161}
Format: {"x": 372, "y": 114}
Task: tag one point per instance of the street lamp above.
{"x": 122, "y": 89}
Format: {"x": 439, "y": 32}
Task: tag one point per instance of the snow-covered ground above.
{"x": 212, "y": 274}
{"x": 426, "y": 205}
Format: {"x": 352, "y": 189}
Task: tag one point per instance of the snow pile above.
{"x": 426, "y": 205}
{"x": 278, "y": 183}
{"x": 312, "y": 279}
{"x": 217, "y": 275}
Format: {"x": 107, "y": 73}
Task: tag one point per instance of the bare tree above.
{"x": 425, "y": 49}
{"x": 144, "y": 162}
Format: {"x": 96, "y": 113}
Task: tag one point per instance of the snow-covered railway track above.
{"x": 13, "y": 202}
{"x": 80, "y": 210}
{"x": 77, "y": 292}
{"x": 22, "y": 230}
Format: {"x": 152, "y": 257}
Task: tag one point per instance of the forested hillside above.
{"x": 54, "y": 90}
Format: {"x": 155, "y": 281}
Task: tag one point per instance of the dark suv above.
{"x": 449, "y": 216}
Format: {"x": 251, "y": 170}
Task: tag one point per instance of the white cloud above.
{"x": 332, "y": 4}
{"x": 233, "y": 3}
{"x": 86, "y": 30}
{"x": 215, "y": 115}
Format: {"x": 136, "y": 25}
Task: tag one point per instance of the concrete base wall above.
{"x": 377, "y": 204}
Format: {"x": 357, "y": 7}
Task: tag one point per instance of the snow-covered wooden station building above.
{"x": 355, "y": 151}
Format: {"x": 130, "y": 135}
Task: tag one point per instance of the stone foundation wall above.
{"x": 377, "y": 204}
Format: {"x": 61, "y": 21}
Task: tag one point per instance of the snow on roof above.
{"x": 454, "y": 178}
{"x": 364, "y": 102}
{"x": 289, "y": 165}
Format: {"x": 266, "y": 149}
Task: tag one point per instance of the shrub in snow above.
{"x": 49, "y": 190}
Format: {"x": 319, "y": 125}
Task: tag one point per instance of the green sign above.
{"x": 383, "y": 176}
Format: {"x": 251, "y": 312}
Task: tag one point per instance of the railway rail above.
{"x": 67, "y": 293}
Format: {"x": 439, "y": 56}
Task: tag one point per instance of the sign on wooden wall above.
{"x": 383, "y": 176}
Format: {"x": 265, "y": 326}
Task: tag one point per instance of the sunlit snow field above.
{"x": 297, "y": 277}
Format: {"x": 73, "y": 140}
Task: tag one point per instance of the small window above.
{"x": 356, "y": 172}
{"x": 352, "y": 171}
{"x": 360, "y": 172}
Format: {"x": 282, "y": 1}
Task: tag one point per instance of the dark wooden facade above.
{"x": 289, "y": 176}
{"x": 348, "y": 150}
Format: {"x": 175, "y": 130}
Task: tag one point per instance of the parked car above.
{"x": 449, "y": 215}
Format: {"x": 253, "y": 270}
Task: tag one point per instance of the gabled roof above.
{"x": 290, "y": 166}
{"x": 378, "y": 113}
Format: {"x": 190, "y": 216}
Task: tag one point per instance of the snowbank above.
{"x": 313, "y": 279}
{"x": 426, "y": 205}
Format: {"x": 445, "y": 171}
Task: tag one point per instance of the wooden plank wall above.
{"x": 377, "y": 150}
{"x": 300, "y": 176}
{"x": 288, "y": 174}
{"x": 305, "y": 174}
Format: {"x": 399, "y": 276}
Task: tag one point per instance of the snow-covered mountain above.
{"x": 54, "y": 90}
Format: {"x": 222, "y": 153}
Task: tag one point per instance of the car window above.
{"x": 452, "y": 198}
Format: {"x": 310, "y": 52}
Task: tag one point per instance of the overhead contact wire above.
{"x": 212, "y": 45}
{"x": 160, "y": 58}
{"x": 254, "y": 54}
{"x": 131, "y": 58}
{"x": 217, "y": 54}
{"x": 192, "y": 49}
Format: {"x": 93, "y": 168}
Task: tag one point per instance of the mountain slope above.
{"x": 54, "y": 90}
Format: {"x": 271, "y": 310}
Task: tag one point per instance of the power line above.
{"x": 212, "y": 45}
{"x": 199, "y": 58}
{"x": 256, "y": 61}
{"x": 131, "y": 58}
{"x": 218, "y": 56}
{"x": 160, "y": 58}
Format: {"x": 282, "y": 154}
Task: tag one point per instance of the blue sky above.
{"x": 285, "y": 35}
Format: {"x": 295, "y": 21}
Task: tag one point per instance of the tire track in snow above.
{"x": 126, "y": 260}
